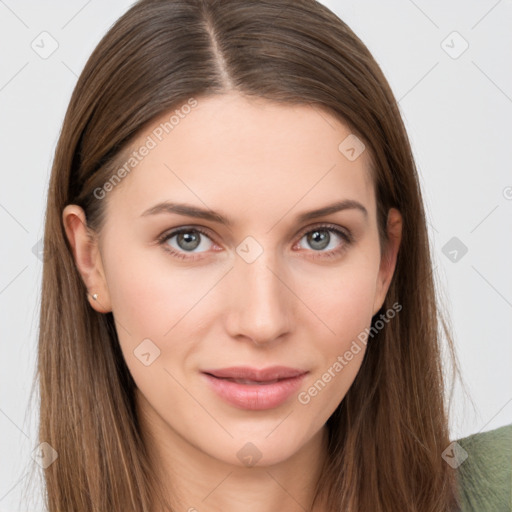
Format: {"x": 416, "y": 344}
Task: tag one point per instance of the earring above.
{"x": 95, "y": 296}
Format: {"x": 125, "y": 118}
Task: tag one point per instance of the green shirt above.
{"x": 485, "y": 470}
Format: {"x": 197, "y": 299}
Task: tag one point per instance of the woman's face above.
{"x": 270, "y": 285}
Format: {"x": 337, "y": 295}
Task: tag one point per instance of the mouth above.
{"x": 253, "y": 389}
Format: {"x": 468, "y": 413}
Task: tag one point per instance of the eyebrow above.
{"x": 200, "y": 213}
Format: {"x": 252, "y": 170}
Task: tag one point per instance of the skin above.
{"x": 259, "y": 164}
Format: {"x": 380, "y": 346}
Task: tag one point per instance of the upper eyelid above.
{"x": 329, "y": 226}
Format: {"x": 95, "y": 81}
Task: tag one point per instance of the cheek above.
{"x": 153, "y": 307}
{"x": 166, "y": 306}
{"x": 150, "y": 299}
{"x": 344, "y": 304}
{"x": 347, "y": 310}
{"x": 344, "y": 297}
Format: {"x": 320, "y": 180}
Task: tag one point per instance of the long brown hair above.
{"x": 387, "y": 435}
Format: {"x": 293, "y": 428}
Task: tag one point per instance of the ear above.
{"x": 388, "y": 258}
{"x": 87, "y": 256}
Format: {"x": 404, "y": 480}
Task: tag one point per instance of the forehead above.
{"x": 249, "y": 157}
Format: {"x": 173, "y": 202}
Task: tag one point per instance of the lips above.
{"x": 253, "y": 389}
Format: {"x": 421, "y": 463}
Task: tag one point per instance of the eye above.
{"x": 321, "y": 238}
{"x": 187, "y": 241}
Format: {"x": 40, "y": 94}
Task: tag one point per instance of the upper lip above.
{"x": 259, "y": 375}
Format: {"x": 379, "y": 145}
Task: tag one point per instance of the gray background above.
{"x": 457, "y": 106}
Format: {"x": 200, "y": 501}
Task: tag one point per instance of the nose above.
{"x": 260, "y": 305}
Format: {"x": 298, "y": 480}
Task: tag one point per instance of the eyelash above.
{"x": 345, "y": 236}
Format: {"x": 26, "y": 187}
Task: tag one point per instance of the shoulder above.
{"x": 485, "y": 470}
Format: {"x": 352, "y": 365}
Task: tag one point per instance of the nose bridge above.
{"x": 260, "y": 306}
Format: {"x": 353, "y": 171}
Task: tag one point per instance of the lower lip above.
{"x": 255, "y": 397}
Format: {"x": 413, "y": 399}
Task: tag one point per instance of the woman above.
{"x": 238, "y": 306}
